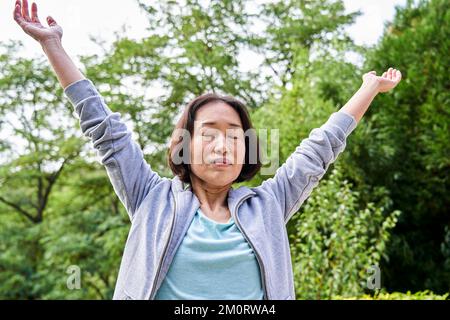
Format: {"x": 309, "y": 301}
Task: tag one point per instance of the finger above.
{"x": 384, "y": 74}
{"x": 394, "y": 75}
{"x": 18, "y": 14}
{"x": 25, "y": 12}
{"x": 34, "y": 13}
{"x": 17, "y": 10}
{"x": 398, "y": 75}
{"x": 373, "y": 72}
{"x": 51, "y": 22}
{"x": 389, "y": 74}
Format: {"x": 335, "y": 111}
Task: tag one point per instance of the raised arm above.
{"x": 300, "y": 174}
{"x": 130, "y": 175}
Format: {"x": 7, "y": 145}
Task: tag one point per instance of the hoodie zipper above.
{"x": 258, "y": 258}
{"x": 165, "y": 247}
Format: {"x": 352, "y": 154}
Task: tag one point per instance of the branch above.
{"x": 19, "y": 209}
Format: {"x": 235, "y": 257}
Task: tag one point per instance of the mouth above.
{"x": 222, "y": 162}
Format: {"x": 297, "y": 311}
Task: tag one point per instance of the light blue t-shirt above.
{"x": 214, "y": 261}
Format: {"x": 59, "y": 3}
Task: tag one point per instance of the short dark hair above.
{"x": 186, "y": 122}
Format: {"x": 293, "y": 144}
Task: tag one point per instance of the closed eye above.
{"x": 207, "y": 136}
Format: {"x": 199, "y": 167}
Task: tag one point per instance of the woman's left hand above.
{"x": 386, "y": 82}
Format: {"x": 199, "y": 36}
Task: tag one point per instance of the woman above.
{"x": 194, "y": 236}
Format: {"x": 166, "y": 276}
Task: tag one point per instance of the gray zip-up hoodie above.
{"x": 161, "y": 209}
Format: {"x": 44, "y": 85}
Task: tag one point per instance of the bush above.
{"x": 382, "y": 295}
{"x": 335, "y": 243}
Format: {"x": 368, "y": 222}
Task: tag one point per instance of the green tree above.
{"x": 409, "y": 137}
{"x": 336, "y": 243}
{"x": 57, "y": 209}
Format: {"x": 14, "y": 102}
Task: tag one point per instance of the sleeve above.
{"x": 294, "y": 181}
{"x": 131, "y": 176}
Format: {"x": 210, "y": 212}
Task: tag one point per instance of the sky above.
{"x": 81, "y": 19}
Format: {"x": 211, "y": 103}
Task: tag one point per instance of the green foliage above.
{"x": 336, "y": 242}
{"x": 20, "y": 251}
{"x": 408, "y": 134}
{"x": 383, "y": 295}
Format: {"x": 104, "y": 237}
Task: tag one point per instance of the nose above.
{"x": 221, "y": 145}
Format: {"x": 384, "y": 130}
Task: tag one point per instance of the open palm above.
{"x": 387, "y": 81}
{"x": 31, "y": 24}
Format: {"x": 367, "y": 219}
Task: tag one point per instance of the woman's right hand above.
{"x": 33, "y": 27}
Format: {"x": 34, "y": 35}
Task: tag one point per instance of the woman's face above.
{"x": 217, "y": 144}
